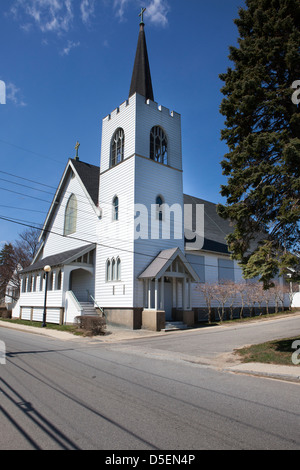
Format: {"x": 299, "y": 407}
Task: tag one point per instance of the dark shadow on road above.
{"x": 35, "y": 417}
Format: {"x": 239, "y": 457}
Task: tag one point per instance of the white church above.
{"x": 122, "y": 240}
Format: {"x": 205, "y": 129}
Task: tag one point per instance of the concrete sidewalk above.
{"x": 113, "y": 333}
{"x": 271, "y": 371}
{"x": 116, "y": 334}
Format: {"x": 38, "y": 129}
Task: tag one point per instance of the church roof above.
{"x": 141, "y": 77}
{"x": 89, "y": 175}
{"x": 216, "y": 228}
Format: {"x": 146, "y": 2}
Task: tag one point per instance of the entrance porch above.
{"x": 167, "y": 290}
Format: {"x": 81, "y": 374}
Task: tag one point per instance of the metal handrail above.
{"x": 100, "y": 308}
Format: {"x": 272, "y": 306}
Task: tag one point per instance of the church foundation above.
{"x": 153, "y": 320}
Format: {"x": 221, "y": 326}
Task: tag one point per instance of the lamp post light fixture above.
{"x": 47, "y": 270}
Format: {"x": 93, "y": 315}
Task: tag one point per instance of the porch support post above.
{"x": 156, "y": 294}
{"x": 145, "y": 293}
{"x": 162, "y": 293}
{"x": 173, "y": 292}
{"x": 184, "y": 294}
{"x": 190, "y": 293}
{"x": 149, "y": 293}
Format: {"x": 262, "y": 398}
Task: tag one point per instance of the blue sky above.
{"x": 68, "y": 63}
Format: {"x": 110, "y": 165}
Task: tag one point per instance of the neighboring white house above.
{"x": 106, "y": 236}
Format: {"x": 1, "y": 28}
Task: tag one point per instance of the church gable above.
{"x": 73, "y": 215}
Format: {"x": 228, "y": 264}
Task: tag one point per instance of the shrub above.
{"x": 4, "y": 313}
{"x": 92, "y": 325}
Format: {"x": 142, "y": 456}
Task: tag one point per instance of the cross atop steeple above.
{"x": 142, "y": 15}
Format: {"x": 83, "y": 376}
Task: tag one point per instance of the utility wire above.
{"x": 108, "y": 246}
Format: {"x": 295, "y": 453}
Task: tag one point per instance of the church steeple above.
{"x": 141, "y": 77}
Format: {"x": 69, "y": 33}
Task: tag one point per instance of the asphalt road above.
{"x": 212, "y": 344}
{"x": 140, "y": 395}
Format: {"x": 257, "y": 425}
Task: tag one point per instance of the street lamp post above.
{"x": 47, "y": 270}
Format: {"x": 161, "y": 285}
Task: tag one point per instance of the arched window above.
{"x": 113, "y": 269}
{"x": 118, "y": 269}
{"x": 159, "y": 208}
{"x": 158, "y": 145}
{"x": 71, "y": 215}
{"x": 108, "y": 271}
{"x": 116, "y": 208}
{"x": 117, "y": 147}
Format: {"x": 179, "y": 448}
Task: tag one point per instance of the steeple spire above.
{"x": 141, "y": 77}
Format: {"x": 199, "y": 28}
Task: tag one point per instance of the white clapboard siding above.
{"x": 115, "y": 238}
{"x": 122, "y": 117}
{"x": 37, "y": 314}
{"x": 26, "y": 313}
{"x": 153, "y": 179}
{"x": 151, "y": 114}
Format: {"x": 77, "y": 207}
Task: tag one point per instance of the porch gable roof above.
{"x": 59, "y": 259}
{"x": 158, "y": 267}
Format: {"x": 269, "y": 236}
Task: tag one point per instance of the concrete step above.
{"x": 175, "y": 325}
{"x": 88, "y": 308}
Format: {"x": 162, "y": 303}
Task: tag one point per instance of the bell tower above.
{"x": 140, "y": 175}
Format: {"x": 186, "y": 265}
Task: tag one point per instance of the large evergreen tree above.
{"x": 262, "y": 132}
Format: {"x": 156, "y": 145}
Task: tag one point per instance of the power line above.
{"x": 22, "y": 209}
{"x": 25, "y": 186}
{"x": 76, "y": 194}
{"x": 63, "y": 206}
{"x": 26, "y": 195}
{"x": 27, "y": 179}
{"x": 30, "y": 151}
{"x": 109, "y": 246}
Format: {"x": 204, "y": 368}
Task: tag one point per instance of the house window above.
{"x": 198, "y": 264}
{"x": 117, "y": 147}
{"x": 116, "y": 208}
{"x": 225, "y": 270}
{"x": 158, "y": 145}
{"x": 71, "y": 215}
{"x": 159, "y": 208}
